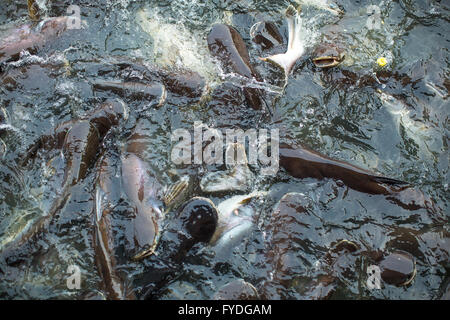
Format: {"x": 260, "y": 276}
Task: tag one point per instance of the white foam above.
{"x": 321, "y": 4}
{"x": 175, "y": 46}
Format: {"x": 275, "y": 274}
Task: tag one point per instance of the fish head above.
{"x": 199, "y": 217}
{"x": 328, "y": 55}
{"x": 236, "y": 217}
{"x": 116, "y": 110}
{"x": 110, "y": 113}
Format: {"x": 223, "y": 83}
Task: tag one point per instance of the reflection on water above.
{"x": 393, "y": 121}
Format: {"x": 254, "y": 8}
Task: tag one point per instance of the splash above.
{"x": 416, "y": 130}
{"x": 175, "y": 46}
{"x": 323, "y": 5}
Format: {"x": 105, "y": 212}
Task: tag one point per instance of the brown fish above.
{"x": 142, "y": 189}
{"x": 304, "y": 163}
{"x": 301, "y": 162}
{"x": 180, "y": 81}
{"x": 34, "y": 11}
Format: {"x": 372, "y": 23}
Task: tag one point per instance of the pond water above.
{"x": 398, "y": 129}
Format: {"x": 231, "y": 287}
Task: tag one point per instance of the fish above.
{"x": 287, "y": 233}
{"x": 180, "y": 81}
{"x": 79, "y": 141}
{"x": 146, "y": 194}
{"x": 290, "y": 234}
{"x": 195, "y": 222}
{"x": 301, "y": 162}
{"x": 142, "y": 188}
{"x": 31, "y": 38}
{"x": 328, "y": 55}
{"x": 115, "y": 287}
{"x": 227, "y": 45}
{"x": 296, "y": 47}
{"x": 134, "y": 90}
{"x": 34, "y": 10}
{"x": 236, "y": 217}
{"x": 398, "y": 268}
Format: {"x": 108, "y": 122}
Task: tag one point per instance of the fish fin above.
{"x": 34, "y": 11}
{"x": 176, "y": 191}
{"x": 3, "y": 148}
{"x": 290, "y": 11}
{"x": 251, "y": 196}
{"x": 389, "y": 181}
{"x": 290, "y": 14}
{"x": 128, "y": 290}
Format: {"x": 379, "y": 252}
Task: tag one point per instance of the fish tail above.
{"x": 389, "y": 181}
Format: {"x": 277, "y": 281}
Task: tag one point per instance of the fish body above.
{"x": 104, "y": 244}
{"x": 28, "y": 37}
{"x": 142, "y": 190}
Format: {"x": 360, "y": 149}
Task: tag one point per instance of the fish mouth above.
{"x": 328, "y": 61}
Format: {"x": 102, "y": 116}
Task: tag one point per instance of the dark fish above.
{"x": 105, "y": 116}
{"x": 80, "y": 146}
{"x": 144, "y": 192}
{"x": 105, "y": 254}
{"x": 228, "y": 47}
{"x": 195, "y": 222}
{"x": 300, "y": 162}
{"x": 398, "y": 268}
{"x": 182, "y": 82}
{"x": 79, "y": 149}
{"x": 31, "y": 38}
{"x": 288, "y": 233}
{"x": 303, "y": 163}
{"x": 134, "y": 90}
{"x": 328, "y": 55}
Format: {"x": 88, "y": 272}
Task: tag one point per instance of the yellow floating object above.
{"x": 382, "y": 61}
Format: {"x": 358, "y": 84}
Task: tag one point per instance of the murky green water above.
{"x": 405, "y": 138}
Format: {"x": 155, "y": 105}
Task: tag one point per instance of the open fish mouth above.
{"x": 328, "y": 61}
